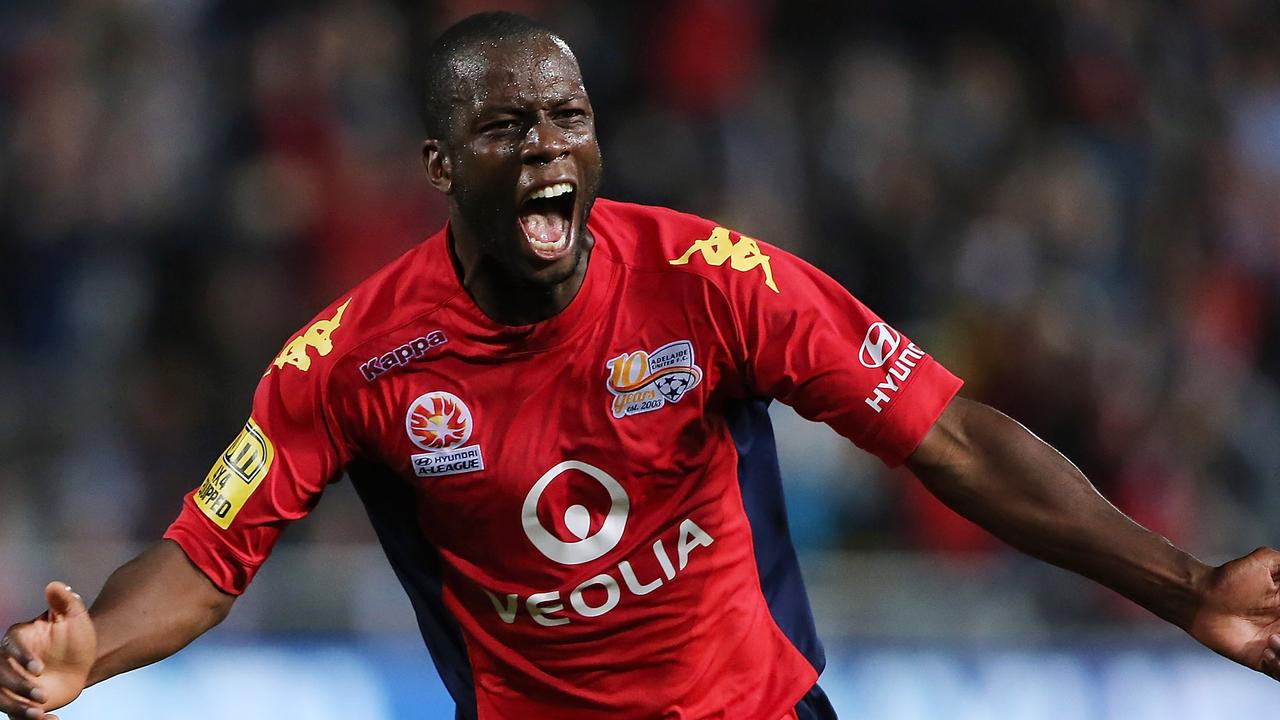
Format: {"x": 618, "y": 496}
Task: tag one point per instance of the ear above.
{"x": 438, "y": 166}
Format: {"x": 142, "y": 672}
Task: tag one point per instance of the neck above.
{"x": 506, "y": 299}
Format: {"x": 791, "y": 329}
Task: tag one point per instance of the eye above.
{"x": 501, "y": 126}
{"x": 570, "y": 115}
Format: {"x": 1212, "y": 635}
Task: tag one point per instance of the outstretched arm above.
{"x": 994, "y": 472}
{"x": 150, "y": 608}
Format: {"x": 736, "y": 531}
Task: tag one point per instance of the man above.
{"x": 553, "y": 411}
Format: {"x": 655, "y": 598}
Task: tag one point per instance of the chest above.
{"x": 623, "y": 412}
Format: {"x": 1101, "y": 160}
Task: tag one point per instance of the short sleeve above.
{"x": 809, "y": 343}
{"x": 272, "y": 473}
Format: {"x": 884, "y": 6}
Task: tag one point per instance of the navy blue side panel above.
{"x": 761, "y": 485}
{"x": 815, "y": 706}
{"x": 390, "y": 505}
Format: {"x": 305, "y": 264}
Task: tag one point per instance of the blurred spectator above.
{"x": 1074, "y": 204}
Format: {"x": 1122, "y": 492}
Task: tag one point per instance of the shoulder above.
{"x": 675, "y": 243}
{"x": 645, "y": 236}
{"x": 397, "y": 294}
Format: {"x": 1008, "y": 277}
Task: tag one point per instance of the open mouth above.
{"x": 547, "y": 219}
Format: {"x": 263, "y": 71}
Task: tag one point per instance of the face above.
{"x": 521, "y": 165}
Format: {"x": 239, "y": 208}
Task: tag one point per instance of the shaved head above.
{"x": 512, "y": 143}
{"x": 455, "y": 65}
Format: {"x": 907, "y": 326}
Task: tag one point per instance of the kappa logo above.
{"x": 440, "y": 423}
{"x": 744, "y": 255}
{"x": 646, "y": 381}
{"x": 880, "y": 344}
{"x": 412, "y": 351}
{"x": 318, "y": 336}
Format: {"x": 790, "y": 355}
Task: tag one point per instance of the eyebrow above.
{"x": 503, "y": 109}
{"x": 507, "y": 108}
{"x": 569, "y": 98}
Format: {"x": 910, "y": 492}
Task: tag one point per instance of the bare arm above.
{"x": 993, "y": 471}
{"x": 150, "y": 608}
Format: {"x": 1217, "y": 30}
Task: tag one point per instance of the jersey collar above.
{"x": 584, "y": 310}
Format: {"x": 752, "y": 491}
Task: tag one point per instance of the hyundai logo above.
{"x": 880, "y": 344}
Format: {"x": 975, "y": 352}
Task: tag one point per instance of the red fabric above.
{"x": 660, "y": 615}
{"x": 702, "y": 53}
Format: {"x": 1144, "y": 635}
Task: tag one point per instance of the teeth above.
{"x": 552, "y": 191}
{"x": 550, "y": 247}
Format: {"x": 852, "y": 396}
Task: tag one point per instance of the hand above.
{"x": 44, "y": 664}
{"x": 1240, "y": 614}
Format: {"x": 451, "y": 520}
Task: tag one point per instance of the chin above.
{"x": 556, "y": 273}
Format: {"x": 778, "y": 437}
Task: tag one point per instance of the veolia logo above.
{"x": 577, "y": 518}
{"x": 880, "y": 344}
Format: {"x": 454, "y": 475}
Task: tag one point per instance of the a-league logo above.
{"x": 440, "y": 423}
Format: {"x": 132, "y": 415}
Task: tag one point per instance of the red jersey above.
{"x": 586, "y": 512}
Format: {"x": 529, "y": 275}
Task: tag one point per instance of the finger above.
{"x": 1273, "y": 564}
{"x": 12, "y": 646}
{"x": 1270, "y": 664}
{"x": 63, "y": 601}
{"x": 19, "y": 683}
{"x": 1274, "y": 642}
{"x": 15, "y": 707}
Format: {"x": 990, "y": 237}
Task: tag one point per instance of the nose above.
{"x": 543, "y": 143}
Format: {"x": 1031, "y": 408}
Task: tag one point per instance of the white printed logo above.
{"x": 880, "y": 344}
{"x": 895, "y": 378}
{"x": 577, "y": 518}
{"x": 642, "y": 573}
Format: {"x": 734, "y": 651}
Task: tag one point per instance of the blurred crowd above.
{"x": 1074, "y": 204}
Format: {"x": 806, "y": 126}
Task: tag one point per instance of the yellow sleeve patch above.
{"x": 236, "y": 474}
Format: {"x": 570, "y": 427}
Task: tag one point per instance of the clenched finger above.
{"x": 16, "y": 707}
{"x": 19, "y": 683}
{"x": 1270, "y": 664}
{"x": 11, "y": 646}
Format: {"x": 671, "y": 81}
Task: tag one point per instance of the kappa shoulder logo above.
{"x": 319, "y": 336}
{"x": 743, "y": 255}
{"x": 645, "y": 381}
{"x": 236, "y": 474}
{"x": 440, "y": 423}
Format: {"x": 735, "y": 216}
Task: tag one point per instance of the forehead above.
{"x": 516, "y": 71}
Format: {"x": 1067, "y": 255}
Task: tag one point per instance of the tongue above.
{"x": 543, "y": 228}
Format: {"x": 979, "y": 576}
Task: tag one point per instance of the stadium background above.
{"x": 1073, "y": 204}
